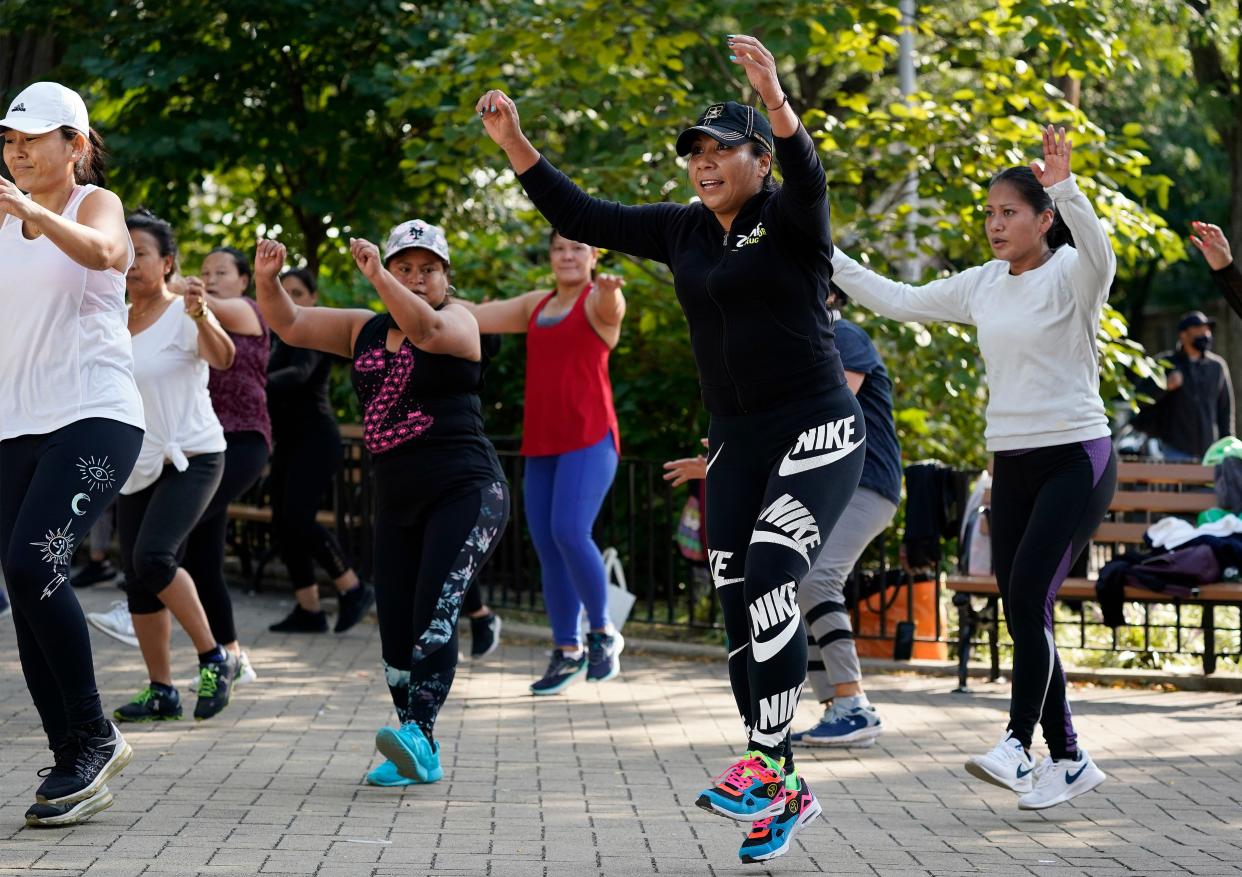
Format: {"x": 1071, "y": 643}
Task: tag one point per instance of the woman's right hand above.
{"x": 1212, "y": 243}
{"x": 500, "y": 118}
{"x": 686, "y": 469}
{"x": 195, "y": 298}
{"x": 269, "y": 258}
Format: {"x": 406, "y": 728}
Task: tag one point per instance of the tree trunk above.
{"x": 1070, "y": 87}
{"x": 25, "y": 58}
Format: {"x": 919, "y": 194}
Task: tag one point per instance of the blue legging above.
{"x": 564, "y": 493}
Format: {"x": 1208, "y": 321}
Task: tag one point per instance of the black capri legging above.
{"x": 154, "y": 523}
{"x": 304, "y": 464}
{"x": 1046, "y": 503}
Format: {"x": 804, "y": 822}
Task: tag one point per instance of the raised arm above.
{"x": 451, "y": 330}
{"x": 234, "y": 314}
{"x": 640, "y": 231}
{"x": 331, "y": 330}
{"x": 97, "y": 240}
{"x": 947, "y": 299}
{"x": 606, "y": 305}
{"x": 214, "y": 344}
{"x": 1212, "y": 243}
{"x": 302, "y": 364}
{"x": 1096, "y": 263}
{"x": 509, "y": 316}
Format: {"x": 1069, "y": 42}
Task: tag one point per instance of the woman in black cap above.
{"x": 751, "y": 263}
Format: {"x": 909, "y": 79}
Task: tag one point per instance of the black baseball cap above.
{"x": 1190, "y": 319}
{"x": 729, "y": 123}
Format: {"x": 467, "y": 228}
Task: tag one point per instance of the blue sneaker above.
{"x": 560, "y": 673}
{"x": 772, "y": 837}
{"x": 410, "y": 752}
{"x": 751, "y": 788}
{"x": 604, "y": 655}
{"x": 386, "y": 775}
{"x": 857, "y": 727}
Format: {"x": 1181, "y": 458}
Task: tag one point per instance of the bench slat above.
{"x": 1084, "y": 589}
{"x": 1165, "y": 473}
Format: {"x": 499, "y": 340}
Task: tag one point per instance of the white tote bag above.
{"x": 620, "y": 600}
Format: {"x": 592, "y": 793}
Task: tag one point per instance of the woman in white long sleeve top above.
{"x": 1036, "y": 308}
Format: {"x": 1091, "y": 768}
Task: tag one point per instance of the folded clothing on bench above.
{"x": 1177, "y": 573}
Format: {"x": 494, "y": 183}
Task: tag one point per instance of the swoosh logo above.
{"x": 1022, "y": 773}
{"x": 793, "y": 467}
{"x": 764, "y": 650}
{"x": 1070, "y": 777}
{"x": 713, "y": 460}
{"x": 720, "y": 583}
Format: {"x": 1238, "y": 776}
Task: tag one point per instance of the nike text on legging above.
{"x": 833, "y": 659}
{"x": 423, "y": 568}
{"x": 304, "y": 465}
{"x": 563, "y": 495}
{"x": 1046, "y": 503}
{"x": 153, "y": 524}
{"x": 777, "y": 481}
{"x": 53, "y": 488}
{"x": 204, "y": 550}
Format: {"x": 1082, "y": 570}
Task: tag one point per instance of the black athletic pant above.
{"x": 424, "y": 564}
{"x": 53, "y": 488}
{"x": 154, "y": 523}
{"x": 777, "y": 481}
{"x": 204, "y": 549}
{"x": 1046, "y": 503}
{"x": 304, "y": 463}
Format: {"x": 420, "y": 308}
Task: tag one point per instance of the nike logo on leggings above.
{"x": 766, "y": 613}
{"x": 821, "y": 441}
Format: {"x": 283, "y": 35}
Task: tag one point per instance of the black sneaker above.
{"x": 604, "y": 655}
{"x": 484, "y": 635}
{"x": 94, "y": 573}
{"x": 215, "y": 685}
{"x": 152, "y": 704}
{"x": 84, "y": 764}
{"x": 301, "y": 621}
{"x": 352, "y": 605}
{"x": 561, "y": 671}
{"x": 60, "y": 815}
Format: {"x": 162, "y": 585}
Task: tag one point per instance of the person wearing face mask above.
{"x": 1196, "y": 408}
{"x": 571, "y": 443}
{"x": 751, "y": 268}
{"x": 441, "y": 501}
{"x": 305, "y": 458}
{"x": 1036, "y": 308}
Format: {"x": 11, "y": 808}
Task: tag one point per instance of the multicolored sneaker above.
{"x": 387, "y": 775}
{"x": 751, "y": 789}
{"x": 771, "y": 837}
{"x": 413, "y": 755}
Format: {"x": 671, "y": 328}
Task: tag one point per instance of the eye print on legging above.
{"x": 97, "y": 473}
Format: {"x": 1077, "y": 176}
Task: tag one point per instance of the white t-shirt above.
{"x": 64, "y": 347}
{"x": 172, "y": 378}
{"x": 1036, "y": 330}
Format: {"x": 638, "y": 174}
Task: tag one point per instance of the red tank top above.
{"x": 568, "y": 393}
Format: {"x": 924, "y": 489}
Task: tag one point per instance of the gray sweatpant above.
{"x": 831, "y": 657}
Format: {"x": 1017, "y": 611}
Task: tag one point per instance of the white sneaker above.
{"x": 1007, "y": 766}
{"x": 245, "y": 671}
{"x": 1058, "y": 781}
{"x": 116, "y": 623}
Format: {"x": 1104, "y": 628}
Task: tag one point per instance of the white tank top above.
{"x": 65, "y": 352}
{"x": 172, "y": 379}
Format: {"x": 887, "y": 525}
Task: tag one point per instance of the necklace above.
{"x": 136, "y": 313}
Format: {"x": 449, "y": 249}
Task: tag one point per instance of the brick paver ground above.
{"x": 601, "y": 780}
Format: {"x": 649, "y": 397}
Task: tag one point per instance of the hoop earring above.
{"x": 452, "y": 290}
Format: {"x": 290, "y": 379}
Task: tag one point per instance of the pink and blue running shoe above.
{"x": 772, "y": 837}
{"x": 752, "y": 788}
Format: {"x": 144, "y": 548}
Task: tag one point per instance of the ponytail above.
{"x": 1059, "y": 235}
{"x": 1028, "y": 187}
{"x": 90, "y": 168}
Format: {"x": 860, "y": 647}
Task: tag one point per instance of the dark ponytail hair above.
{"x": 758, "y": 150}
{"x": 240, "y": 260}
{"x": 302, "y": 274}
{"x": 144, "y": 220}
{"x": 94, "y": 161}
{"x": 1028, "y": 187}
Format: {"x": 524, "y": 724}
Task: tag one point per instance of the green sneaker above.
{"x": 155, "y": 703}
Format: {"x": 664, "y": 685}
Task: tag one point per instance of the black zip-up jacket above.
{"x": 1229, "y": 281}
{"x": 754, "y": 298}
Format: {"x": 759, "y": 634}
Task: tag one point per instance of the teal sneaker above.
{"x": 410, "y": 752}
{"x": 387, "y": 775}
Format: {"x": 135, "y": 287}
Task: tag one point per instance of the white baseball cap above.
{"x": 46, "y": 106}
{"x": 416, "y": 234}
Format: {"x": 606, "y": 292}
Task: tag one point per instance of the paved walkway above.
{"x": 601, "y": 780}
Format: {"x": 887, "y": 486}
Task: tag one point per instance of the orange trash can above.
{"x": 896, "y": 605}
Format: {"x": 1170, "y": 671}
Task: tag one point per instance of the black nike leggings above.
{"x": 53, "y": 488}
{"x": 304, "y": 464}
{"x": 1046, "y": 503}
{"x": 777, "y": 481}
{"x": 424, "y": 565}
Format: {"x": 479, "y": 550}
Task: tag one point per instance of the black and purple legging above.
{"x": 1046, "y": 503}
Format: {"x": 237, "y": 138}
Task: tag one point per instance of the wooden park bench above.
{"x": 1146, "y": 492}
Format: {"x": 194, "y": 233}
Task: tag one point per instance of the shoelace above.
{"x": 208, "y": 680}
{"x": 596, "y": 651}
{"x": 145, "y": 696}
{"x": 77, "y": 758}
{"x": 62, "y": 756}
{"x": 735, "y": 776}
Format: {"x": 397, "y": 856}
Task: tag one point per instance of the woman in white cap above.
{"x": 71, "y": 422}
{"x": 441, "y": 499}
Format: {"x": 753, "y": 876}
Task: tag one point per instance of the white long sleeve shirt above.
{"x": 1036, "y": 330}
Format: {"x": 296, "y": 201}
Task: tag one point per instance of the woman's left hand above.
{"x": 760, "y": 68}
{"x": 1058, "y": 150}
{"x": 13, "y": 202}
{"x": 366, "y": 257}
